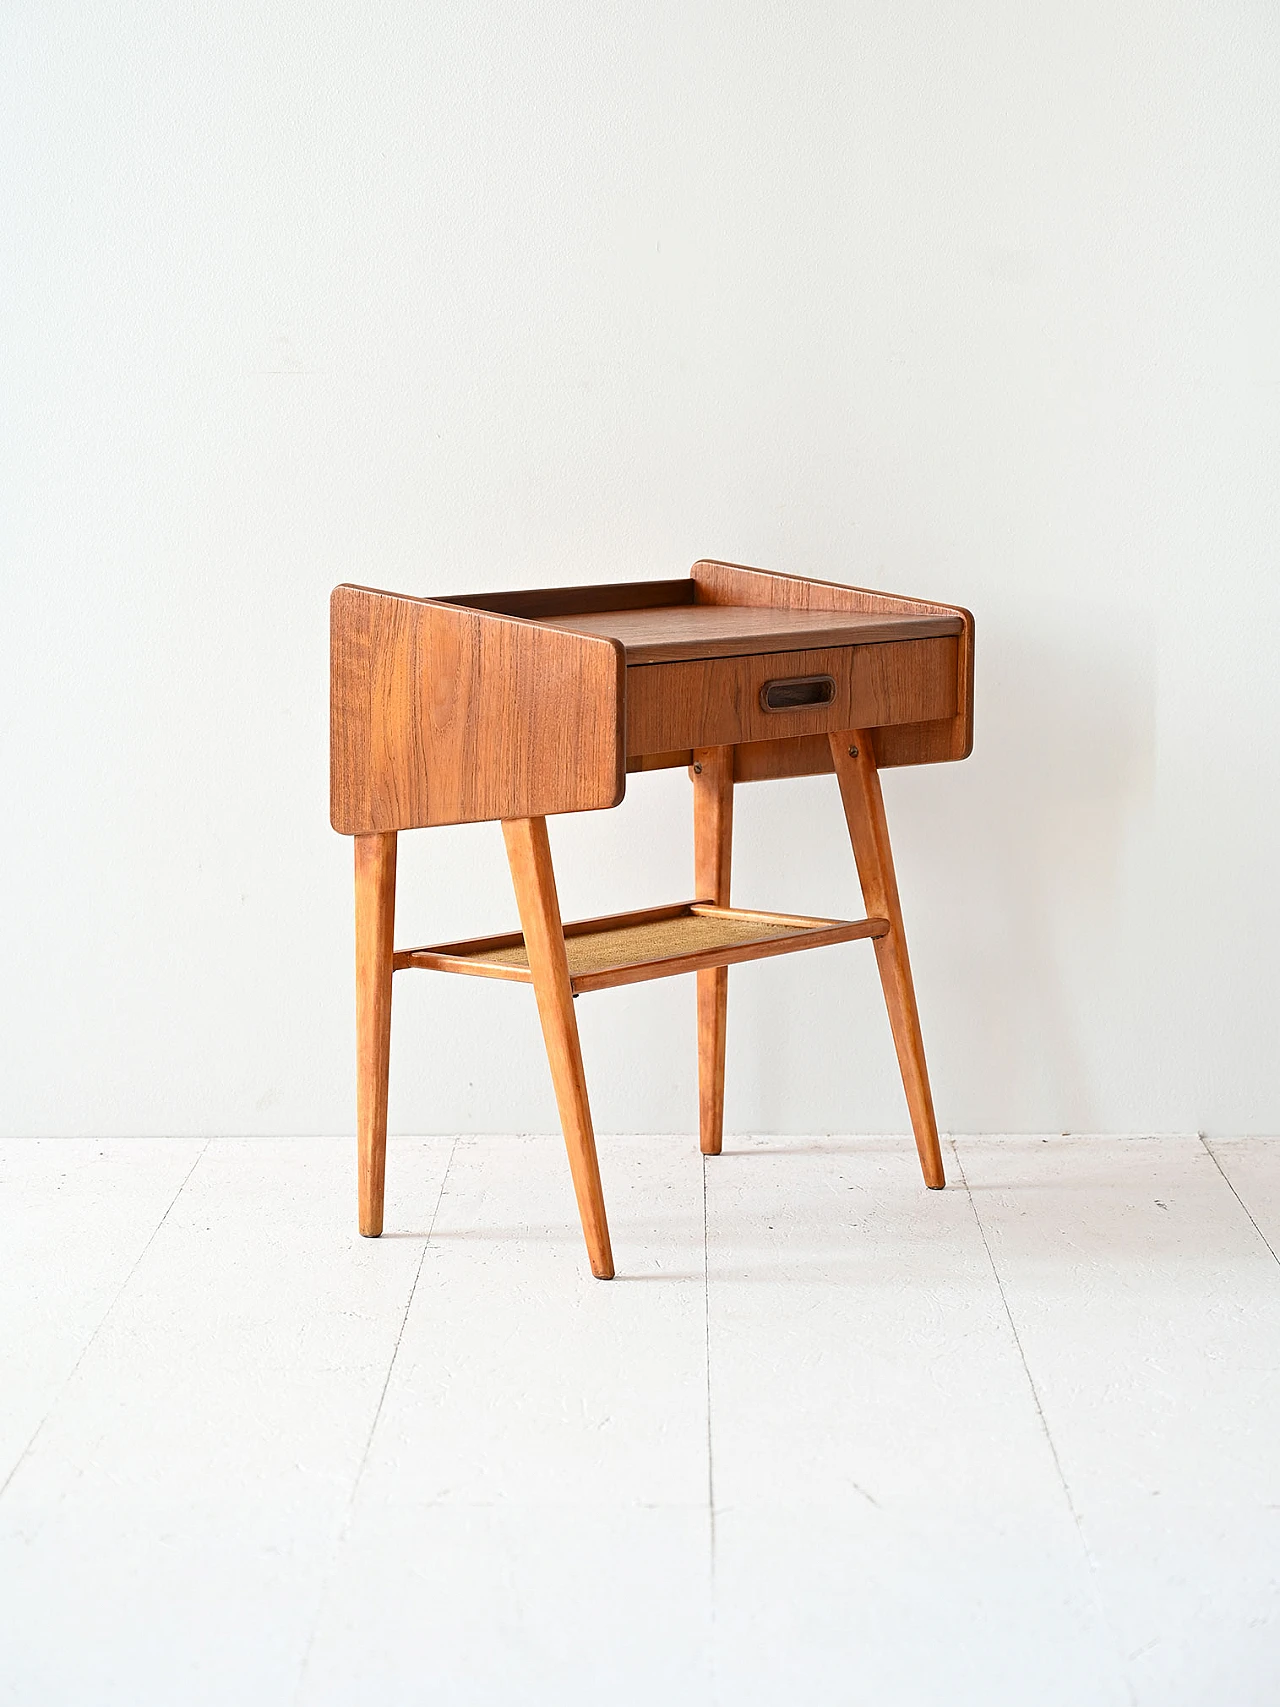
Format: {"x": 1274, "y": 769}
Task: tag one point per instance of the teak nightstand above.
{"x": 518, "y": 705}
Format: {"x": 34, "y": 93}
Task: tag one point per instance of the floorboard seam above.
{"x": 706, "y": 1323}
{"x": 1213, "y": 1155}
{"x": 102, "y": 1322}
{"x": 1044, "y": 1424}
{"x": 712, "y": 1678}
{"x": 373, "y": 1427}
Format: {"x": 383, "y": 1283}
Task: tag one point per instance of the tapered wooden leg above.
{"x": 375, "y": 928}
{"x": 529, "y": 854}
{"x": 855, "y": 763}
{"x": 712, "y": 848}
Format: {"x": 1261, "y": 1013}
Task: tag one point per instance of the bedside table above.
{"x": 516, "y": 706}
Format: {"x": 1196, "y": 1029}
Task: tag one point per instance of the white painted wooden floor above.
{"x": 828, "y": 1438}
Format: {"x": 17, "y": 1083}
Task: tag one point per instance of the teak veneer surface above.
{"x": 514, "y": 704}
{"x": 441, "y": 715}
{"x": 536, "y": 604}
{"x": 703, "y": 701}
{"x": 927, "y": 742}
{"x": 659, "y": 635}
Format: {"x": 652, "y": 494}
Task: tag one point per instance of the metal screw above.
{"x": 698, "y": 769}
{"x": 853, "y": 752}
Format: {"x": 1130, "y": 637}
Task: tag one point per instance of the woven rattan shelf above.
{"x": 628, "y": 948}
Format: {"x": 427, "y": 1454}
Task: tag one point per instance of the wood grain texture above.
{"x": 795, "y": 755}
{"x": 446, "y": 716}
{"x": 929, "y": 741}
{"x": 716, "y": 701}
{"x": 853, "y": 754}
{"x": 375, "y": 863}
{"x": 529, "y": 855}
{"x": 680, "y": 757}
{"x": 538, "y": 602}
{"x": 657, "y": 636}
{"x": 712, "y": 776}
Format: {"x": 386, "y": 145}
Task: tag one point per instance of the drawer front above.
{"x": 718, "y": 702}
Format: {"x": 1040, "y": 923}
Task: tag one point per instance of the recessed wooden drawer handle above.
{"x": 793, "y": 692}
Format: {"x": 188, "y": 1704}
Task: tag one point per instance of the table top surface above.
{"x": 665, "y": 633}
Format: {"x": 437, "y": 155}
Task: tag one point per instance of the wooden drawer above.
{"x": 715, "y": 702}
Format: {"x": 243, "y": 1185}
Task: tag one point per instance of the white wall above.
{"x": 976, "y": 301}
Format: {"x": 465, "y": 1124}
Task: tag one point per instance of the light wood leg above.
{"x": 375, "y": 930}
{"x": 855, "y": 764}
{"x": 529, "y": 854}
{"x": 712, "y": 849}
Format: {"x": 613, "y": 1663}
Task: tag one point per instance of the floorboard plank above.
{"x": 890, "y": 1524}
{"x": 1251, "y": 1167}
{"x": 75, "y": 1216}
{"x": 166, "y": 1539}
{"x": 1010, "y": 1442}
{"x": 534, "y": 1509}
{"x": 1149, "y": 1311}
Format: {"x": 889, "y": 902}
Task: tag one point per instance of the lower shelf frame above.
{"x": 656, "y": 948}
